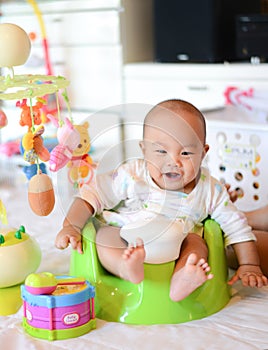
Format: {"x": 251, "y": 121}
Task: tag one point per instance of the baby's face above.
{"x": 173, "y": 149}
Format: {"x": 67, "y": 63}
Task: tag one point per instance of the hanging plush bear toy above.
{"x": 72, "y": 150}
{"x": 81, "y": 164}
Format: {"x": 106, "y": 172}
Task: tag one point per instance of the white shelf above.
{"x": 200, "y": 84}
{"x": 193, "y": 71}
{"x": 49, "y": 6}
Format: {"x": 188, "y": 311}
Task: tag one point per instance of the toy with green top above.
{"x": 19, "y": 255}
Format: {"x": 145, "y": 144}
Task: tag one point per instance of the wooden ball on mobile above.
{"x": 41, "y": 194}
{"x": 15, "y": 45}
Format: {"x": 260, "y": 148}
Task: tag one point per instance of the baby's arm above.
{"x": 77, "y": 216}
{"x": 249, "y": 270}
{"x": 258, "y": 219}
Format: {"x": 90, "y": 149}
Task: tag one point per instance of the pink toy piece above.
{"x": 51, "y": 289}
{"x": 59, "y": 157}
{"x": 10, "y": 148}
{"x": 68, "y": 138}
{"x": 40, "y": 290}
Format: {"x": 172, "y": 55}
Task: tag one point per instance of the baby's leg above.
{"x": 117, "y": 258}
{"x": 191, "y": 268}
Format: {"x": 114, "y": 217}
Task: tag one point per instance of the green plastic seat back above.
{"x": 118, "y": 300}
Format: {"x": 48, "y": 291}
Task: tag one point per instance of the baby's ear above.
{"x": 142, "y": 147}
{"x": 206, "y": 148}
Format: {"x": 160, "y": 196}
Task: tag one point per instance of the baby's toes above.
{"x": 201, "y": 262}
{"x": 127, "y": 252}
{"x": 205, "y": 266}
{"x": 139, "y": 242}
{"x": 207, "y": 269}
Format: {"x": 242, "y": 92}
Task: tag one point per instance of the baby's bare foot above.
{"x": 131, "y": 268}
{"x": 189, "y": 277}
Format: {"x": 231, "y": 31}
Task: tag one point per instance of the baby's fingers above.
{"x": 62, "y": 242}
{"x": 253, "y": 280}
{"x": 234, "y": 279}
{"x": 265, "y": 280}
{"x": 260, "y": 281}
{"x": 76, "y": 244}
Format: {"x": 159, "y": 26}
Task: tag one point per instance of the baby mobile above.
{"x": 29, "y": 91}
{"x": 74, "y": 141}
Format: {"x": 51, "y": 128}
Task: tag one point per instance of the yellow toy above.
{"x": 3, "y": 213}
{"x": 33, "y": 145}
{"x": 81, "y": 164}
{"x": 19, "y": 255}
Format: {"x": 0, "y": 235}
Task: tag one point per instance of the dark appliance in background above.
{"x": 198, "y": 30}
{"x": 252, "y": 37}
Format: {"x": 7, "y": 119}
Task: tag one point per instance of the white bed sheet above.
{"x": 242, "y": 324}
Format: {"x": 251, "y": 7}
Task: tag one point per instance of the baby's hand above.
{"x": 234, "y": 194}
{"x": 250, "y": 275}
{"x": 69, "y": 235}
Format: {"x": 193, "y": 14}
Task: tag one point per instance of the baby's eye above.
{"x": 161, "y": 151}
{"x": 186, "y": 153}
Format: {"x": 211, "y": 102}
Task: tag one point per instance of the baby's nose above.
{"x": 175, "y": 162}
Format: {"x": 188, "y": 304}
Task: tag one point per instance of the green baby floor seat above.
{"x": 148, "y": 302}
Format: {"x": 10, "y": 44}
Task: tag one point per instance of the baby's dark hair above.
{"x": 177, "y": 105}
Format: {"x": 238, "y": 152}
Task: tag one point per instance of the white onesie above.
{"x": 147, "y": 207}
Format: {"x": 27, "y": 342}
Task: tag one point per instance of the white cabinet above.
{"x": 201, "y": 84}
{"x": 89, "y": 41}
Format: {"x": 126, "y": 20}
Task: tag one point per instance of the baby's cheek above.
{"x": 154, "y": 171}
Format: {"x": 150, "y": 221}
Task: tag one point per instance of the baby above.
{"x": 166, "y": 196}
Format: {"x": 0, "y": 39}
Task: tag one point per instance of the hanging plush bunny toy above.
{"x": 15, "y": 49}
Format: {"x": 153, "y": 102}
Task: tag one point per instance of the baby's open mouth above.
{"x": 172, "y": 175}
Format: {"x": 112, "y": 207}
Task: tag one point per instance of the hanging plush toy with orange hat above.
{"x": 40, "y": 191}
{"x": 32, "y": 141}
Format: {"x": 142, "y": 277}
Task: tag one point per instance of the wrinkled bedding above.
{"x": 242, "y": 324}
